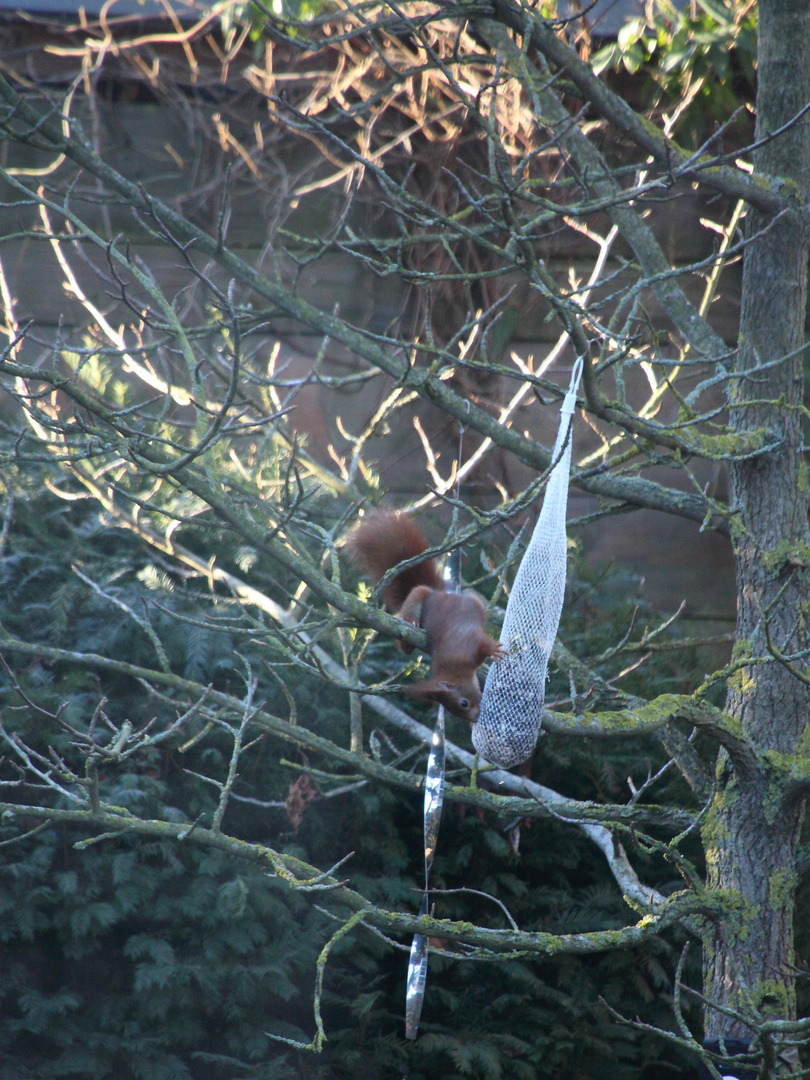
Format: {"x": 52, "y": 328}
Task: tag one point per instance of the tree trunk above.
{"x": 753, "y": 831}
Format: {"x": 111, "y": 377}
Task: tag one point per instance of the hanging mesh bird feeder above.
{"x": 512, "y": 703}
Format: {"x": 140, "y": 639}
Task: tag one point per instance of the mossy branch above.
{"x": 172, "y": 227}
{"x": 535, "y": 805}
{"x": 301, "y": 876}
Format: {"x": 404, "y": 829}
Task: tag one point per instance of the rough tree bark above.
{"x": 752, "y": 828}
{"x": 752, "y": 834}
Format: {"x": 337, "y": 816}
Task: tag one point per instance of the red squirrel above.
{"x": 454, "y": 622}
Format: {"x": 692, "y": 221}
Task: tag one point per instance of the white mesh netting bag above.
{"x": 512, "y": 703}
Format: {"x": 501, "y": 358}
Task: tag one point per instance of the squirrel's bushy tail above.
{"x": 382, "y": 540}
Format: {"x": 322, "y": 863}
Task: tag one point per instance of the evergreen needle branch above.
{"x": 583, "y": 813}
{"x": 506, "y": 782}
{"x": 142, "y": 623}
{"x": 687, "y": 1042}
{"x": 299, "y": 875}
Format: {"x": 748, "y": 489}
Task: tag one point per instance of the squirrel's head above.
{"x": 460, "y": 699}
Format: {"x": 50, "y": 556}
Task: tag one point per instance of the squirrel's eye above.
{"x": 464, "y": 703}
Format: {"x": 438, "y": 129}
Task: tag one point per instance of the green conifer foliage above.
{"x": 128, "y": 957}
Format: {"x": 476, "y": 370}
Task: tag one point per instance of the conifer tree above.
{"x": 186, "y": 652}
